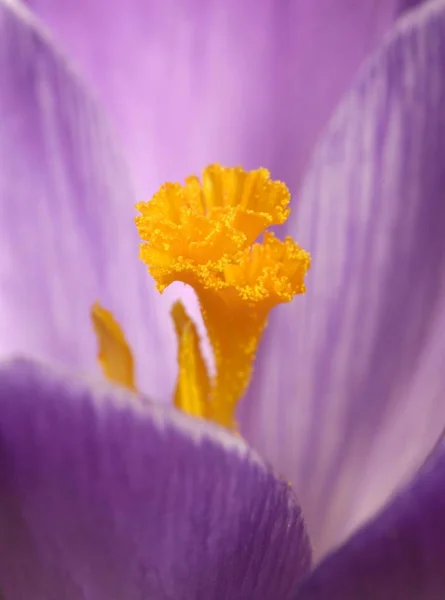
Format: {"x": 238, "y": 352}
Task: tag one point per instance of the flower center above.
{"x": 205, "y": 234}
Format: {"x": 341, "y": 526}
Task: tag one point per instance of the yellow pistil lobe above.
{"x": 204, "y": 234}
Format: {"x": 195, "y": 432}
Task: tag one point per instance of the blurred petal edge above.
{"x": 105, "y": 496}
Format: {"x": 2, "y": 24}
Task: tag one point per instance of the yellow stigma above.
{"x": 114, "y": 355}
{"x": 203, "y": 234}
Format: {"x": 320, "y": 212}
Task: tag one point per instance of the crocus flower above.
{"x": 105, "y": 494}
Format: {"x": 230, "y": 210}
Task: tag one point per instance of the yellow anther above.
{"x": 114, "y": 353}
{"x": 203, "y": 234}
{"x": 193, "y": 385}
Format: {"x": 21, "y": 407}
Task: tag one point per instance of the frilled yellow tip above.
{"x": 114, "y": 354}
{"x": 192, "y": 231}
{"x": 206, "y": 234}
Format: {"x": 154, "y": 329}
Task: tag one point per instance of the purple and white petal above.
{"x": 186, "y": 84}
{"x": 348, "y": 396}
{"x": 66, "y": 231}
{"x": 189, "y": 82}
{"x": 399, "y": 555}
{"x": 104, "y": 496}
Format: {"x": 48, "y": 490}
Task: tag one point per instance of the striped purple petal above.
{"x": 66, "y": 231}
{"x": 399, "y": 555}
{"x": 348, "y": 397}
{"x": 188, "y": 82}
{"x": 185, "y": 84}
{"x": 105, "y": 497}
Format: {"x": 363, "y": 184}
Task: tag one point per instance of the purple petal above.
{"x": 105, "y": 497}
{"x": 399, "y": 555}
{"x": 191, "y": 82}
{"x": 66, "y": 230}
{"x": 348, "y": 397}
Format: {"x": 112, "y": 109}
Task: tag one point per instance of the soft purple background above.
{"x": 347, "y": 397}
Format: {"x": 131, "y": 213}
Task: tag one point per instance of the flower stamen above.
{"x": 203, "y": 234}
{"x": 114, "y": 355}
{"x": 193, "y": 384}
